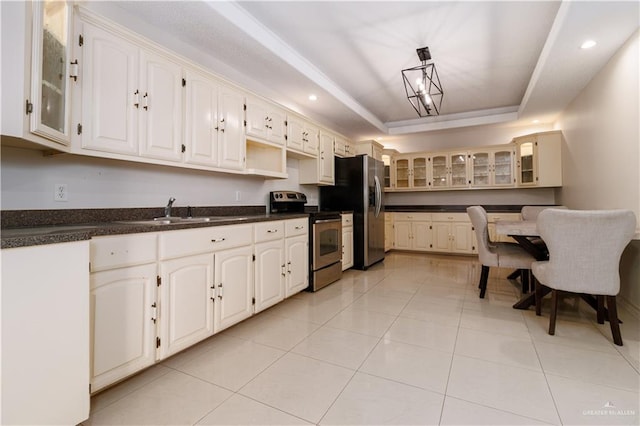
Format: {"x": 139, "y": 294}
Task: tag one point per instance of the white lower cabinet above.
{"x": 270, "y": 273}
{"x": 452, "y": 233}
{"x": 433, "y": 232}
{"x": 412, "y": 231}
{"x": 297, "y": 253}
{"x": 123, "y": 322}
{"x": 155, "y": 294}
{"x": 186, "y": 305}
{"x": 234, "y": 285}
{"x": 45, "y": 334}
{"x": 347, "y": 241}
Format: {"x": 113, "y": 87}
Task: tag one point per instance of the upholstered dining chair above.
{"x": 532, "y": 212}
{"x": 585, "y": 247}
{"x": 497, "y": 254}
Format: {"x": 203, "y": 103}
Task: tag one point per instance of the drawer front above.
{"x": 421, "y": 217}
{"x": 295, "y": 227}
{"x": 203, "y": 240}
{"x": 267, "y": 231}
{"x": 450, "y": 217}
{"x": 347, "y": 220}
{"x": 122, "y": 250}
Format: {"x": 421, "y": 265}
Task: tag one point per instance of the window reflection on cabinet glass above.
{"x": 502, "y": 168}
{"x": 54, "y": 60}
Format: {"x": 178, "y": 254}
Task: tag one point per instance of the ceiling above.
{"x": 497, "y": 61}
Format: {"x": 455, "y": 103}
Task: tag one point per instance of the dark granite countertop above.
{"x": 37, "y": 227}
{"x": 451, "y": 208}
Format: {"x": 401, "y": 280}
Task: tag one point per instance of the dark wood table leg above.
{"x": 530, "y": 299}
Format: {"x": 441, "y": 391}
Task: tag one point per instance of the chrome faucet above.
{"x": 167, "y": 209}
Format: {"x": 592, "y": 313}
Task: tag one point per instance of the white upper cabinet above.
{"x": 539, "y": 159}
{"x": 231, "y": 140}
{"x": 110, "y": 97}
{"x": 131, "y": 98}
{"x": 449, "y": 170}
{"x": 213, "y": 131}
{"x": 39, "y": 73}
{"x": 53, "y": 71}
{"x": 161, "y": 107}
{"x": 265, "y": 121}
{"x": 302, "y": 136}
{"x": 321, "y": 170}
{"x": 492, "y": 167}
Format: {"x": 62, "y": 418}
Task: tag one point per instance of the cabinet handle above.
{"x": 283, "y": 271}
{"x": 222, "y": 125}
{"x": 136, "y": 99}
{"x": 146, "y": 101}
{"x": 299, "y": 227}
{"x": 220, "y": 291}
{"x": 73, "y": 70}
{"x": 272, "y": 231}
{"x": 289, "y": 267}
{"x": 218, "y": 240}
{"x": 154, "y": 312}
{"x": 213, "y": 292}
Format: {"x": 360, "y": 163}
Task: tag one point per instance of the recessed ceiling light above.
{"x": 535, "y": 121}
{"x": 379, "y": 138}
{"x": 588, "y": 44}
{"x": 313, "y": 98}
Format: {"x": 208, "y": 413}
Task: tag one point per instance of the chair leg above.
{"x": 524, "y": 276}
{"x": 538, "y": 290}
{"x": 613, "y": 320}
{"x": 554, "y": 311}
{"x": 515, "y": 274}
{"x": 484, "y": 276}
{"x": 600, "y": 309}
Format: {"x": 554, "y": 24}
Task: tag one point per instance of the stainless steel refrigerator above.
{"x": 359, "y": 188}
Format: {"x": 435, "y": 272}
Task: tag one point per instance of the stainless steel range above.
{"x": 325, "y": 237}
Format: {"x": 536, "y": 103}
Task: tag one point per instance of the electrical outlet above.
{"x": 237, "y": 195}
{"x": 60, "y": 192}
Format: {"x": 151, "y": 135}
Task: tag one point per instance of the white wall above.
{"x": 28, "y": 180}
{"x": 601, "y": 157}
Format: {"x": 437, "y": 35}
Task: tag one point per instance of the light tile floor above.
{"x": 406, "y": 342}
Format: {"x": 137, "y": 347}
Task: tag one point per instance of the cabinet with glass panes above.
{"x": 411, "y": 172}
{"x": 449, "y": 170}
{"x": 491, "y": 167}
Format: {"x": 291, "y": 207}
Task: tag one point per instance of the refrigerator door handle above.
{"x": 378, "y": 195}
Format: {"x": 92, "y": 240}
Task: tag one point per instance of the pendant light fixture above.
{"x": 422, "y": 85}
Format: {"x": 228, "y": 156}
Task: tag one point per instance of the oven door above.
{"x": 327, "y": 242}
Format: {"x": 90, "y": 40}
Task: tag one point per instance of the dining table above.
{"x": 525, "y": 233}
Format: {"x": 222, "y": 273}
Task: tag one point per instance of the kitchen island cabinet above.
{"x": 45, "y": 334}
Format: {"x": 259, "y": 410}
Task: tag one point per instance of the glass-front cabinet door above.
{"x": 503, "y": 168}
{"x": 402, "y": 172}
{"x": 459, "y": 167}
{"x": 52, "y": 70}
{"x": 439, "y": 171}
{"x": 489, "y": 168}
{"x": 419, "y": 173}
{"x": 480, "y": 169}
{"x": 526, "y": 161}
